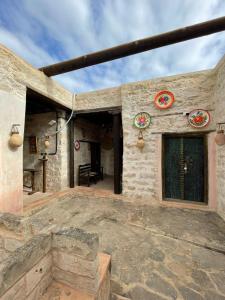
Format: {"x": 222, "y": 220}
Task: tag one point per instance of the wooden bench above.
{"x": 85, "y": 174}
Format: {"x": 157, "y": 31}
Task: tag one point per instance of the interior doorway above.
{"x": 98, "y": 161}
{"x": 185, "y": 168}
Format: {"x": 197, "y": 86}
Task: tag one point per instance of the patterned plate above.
{"x": 142, "y": 120}
{"x": 164, "y": 99}
{"x": 199, "y": 118}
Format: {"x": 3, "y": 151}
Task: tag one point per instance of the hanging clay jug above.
{"x": 140, "y": 142}
{"x": 220, "y": 138}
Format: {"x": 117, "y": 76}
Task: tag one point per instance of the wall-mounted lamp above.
{"x": 15, "y": 139}
{"x": 220, "y": 136}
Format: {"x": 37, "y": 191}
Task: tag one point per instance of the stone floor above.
{"x": 157, "y": 252}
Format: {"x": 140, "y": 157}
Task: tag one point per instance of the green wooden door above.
{"x": 184, "y": 168}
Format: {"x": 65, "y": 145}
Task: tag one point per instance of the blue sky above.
{"x": 47, "y": 31}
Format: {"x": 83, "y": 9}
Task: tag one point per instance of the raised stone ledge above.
{"x": 77, "y": 241}
{"x": 22, "y": 260}
{"x": 69, "y": 256}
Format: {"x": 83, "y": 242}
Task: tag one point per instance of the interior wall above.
{"x": 85, "y": 130}
{"x": 56, "y": 174}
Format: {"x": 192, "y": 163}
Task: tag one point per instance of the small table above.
{"x": 32, "y": 171}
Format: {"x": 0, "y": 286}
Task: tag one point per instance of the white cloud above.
{"x": 44, "y": 31}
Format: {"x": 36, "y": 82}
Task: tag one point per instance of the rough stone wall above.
{"x": 105, "y": 98}
{"x": 220, "y": 117}
{"x": 57, "y": 165}
{"x": 141, "y": 168}
{"x": 69, "y": 256}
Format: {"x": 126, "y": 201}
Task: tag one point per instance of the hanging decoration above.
{"x": 199, "y": 118}
{"x": 220, "y": 136}
{"x": 142, "y": 120}
{"x": 164, "y": 100}
{"x": 15, "y": 139}
{"x": 140, "y": 142}
{"x": 77, "y": 145}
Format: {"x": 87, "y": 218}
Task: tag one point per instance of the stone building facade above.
{"x": 142, "y": 169}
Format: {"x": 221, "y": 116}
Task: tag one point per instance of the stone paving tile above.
{"x": 157, "y": 253}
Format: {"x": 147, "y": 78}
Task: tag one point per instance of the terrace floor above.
{"x": 157, "y": 252}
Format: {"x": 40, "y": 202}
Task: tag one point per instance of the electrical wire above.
{"x": 67, "y": 122}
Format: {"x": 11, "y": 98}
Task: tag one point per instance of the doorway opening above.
{"x": 40, "y": 172}
{"x": 185, "y": 168}
{"x": 98, "y": 159}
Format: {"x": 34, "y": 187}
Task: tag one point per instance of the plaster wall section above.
{"x": 105, "y": 98}
{"x": 220, "y": 117}
{"x": 12, "y": 111}
{"x": 141, "y": 168}
{"x": 15, "y": 76}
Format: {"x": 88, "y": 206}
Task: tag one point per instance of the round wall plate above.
{"x": 199, "y": 118}
{"x": 142, "y": 120}
{"x": 77, "y": 145}
{"x": 164, "y": 99}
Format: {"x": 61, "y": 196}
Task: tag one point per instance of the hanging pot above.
{"x": 220, "y": 138}
{"x": 140, "y": 143}
{"x": 15, "y": 140}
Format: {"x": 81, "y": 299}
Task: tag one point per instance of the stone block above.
{"x": 12, "y": 244}
{"x": 42, "y": 286}
{"x": 22, "y": 260}
{"x": 77, "y": 241}
{"x": 35, "y": 275}
{"x": 75, "y": 264}
{"x": 82, "y": 283}
{"x": 18, "y": 291}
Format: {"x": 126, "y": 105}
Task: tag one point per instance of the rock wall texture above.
{"x": 220, "y": 117}
{"x": 141, "y": 169}
{"x": 68, "y": 256}
{"x": 57, "y": 168}
{"x": 105, "y": 98}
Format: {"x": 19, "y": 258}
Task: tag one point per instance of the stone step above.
{"x": 61, "y": 291}
{"x": 118, "y": 297}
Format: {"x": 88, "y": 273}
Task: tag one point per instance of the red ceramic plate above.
{"x": 164, "y": 99}
{"x": 199, "y": 118}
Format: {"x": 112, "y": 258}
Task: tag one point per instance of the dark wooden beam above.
{"x": 138, "y": 46}
{"x": 71, "y": 141}
{"x": 116, "y": 148}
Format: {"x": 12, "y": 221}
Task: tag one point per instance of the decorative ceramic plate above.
{"x": 199, "y": 118}
{"x": 164, "y": 99}
{"x": 77, "y": 145}
{"x": 142, "y": 120}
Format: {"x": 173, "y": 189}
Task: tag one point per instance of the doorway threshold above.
{"x": 176, "y": 203}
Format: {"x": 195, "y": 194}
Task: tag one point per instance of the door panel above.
{"x": 184, "y": 168}
{"x": 172, "y": 168}
{"x": 194, "y": 173}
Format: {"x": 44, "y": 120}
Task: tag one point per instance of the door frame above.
{"x": 206, "y": 188}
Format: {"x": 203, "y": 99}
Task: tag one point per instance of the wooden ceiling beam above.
{"x": 138, "y": 46}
